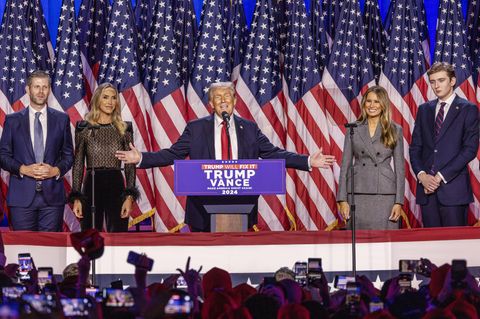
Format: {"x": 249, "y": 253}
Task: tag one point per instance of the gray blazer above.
{"x": 372, "y": 169}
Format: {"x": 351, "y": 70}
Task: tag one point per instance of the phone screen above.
{"x": 118, "y": 298}
{"x": 40, "y": 303}
{"x": 75, "y": 307}
{"x": 179, "y": 305}
{"x": 24, "y": 266}
{"x": 341, "y": 281}
{"x": 44, "y": 276}
{"x": 353, "y": 293}
{"x": 14, "y": 292}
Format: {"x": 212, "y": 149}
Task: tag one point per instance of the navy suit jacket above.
{"x": 16, "y": 149}
{"x": 450, "y": 153}
{"x": 197, "y": 142}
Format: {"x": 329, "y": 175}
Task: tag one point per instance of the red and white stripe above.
{"x": 271, "y": 120}
{"x": 310, "y": 194}
{"x": 168, "y": 119}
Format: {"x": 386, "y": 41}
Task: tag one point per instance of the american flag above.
{"x": 67, "y": 83}
{"x": 311, "y": 194}
{"x": 473, "y": 36}
{"x": 185, "y": 28}
{"x": 375, "y": 36}
{"x": 332, "y": 10}
{"x": 120, "y": 67}
{"x": 236, "y": 37}
{"x": 143, "y": 21}
{"x": 42, "y": 46}
{"x": 260, "y": 98}
{"x": 420, "y": 18}
{"x": 168, "y": 115}
{"x": 348, "y": 75}
{"x": 211, "y": 59}
{"x": 452, "y": 47}
{"x": 404, "y": 77}
{"x": 319, "y": 34}
{"x": 92, "y": 23}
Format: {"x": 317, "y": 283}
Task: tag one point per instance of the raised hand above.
{"x": 318, "y": 159}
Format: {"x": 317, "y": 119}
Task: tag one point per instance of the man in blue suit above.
{"x": 202, "y": 139}
{"x": 444, "y": 141}
{"x": 36, "y": 148}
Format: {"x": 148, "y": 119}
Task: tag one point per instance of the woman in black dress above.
{"x": 96, "y": 139}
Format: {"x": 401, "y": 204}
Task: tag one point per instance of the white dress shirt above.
{"x": 43, "y": 121}
{"x": 218, "y": 137}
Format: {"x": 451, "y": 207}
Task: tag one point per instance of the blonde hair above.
{"x": 389, "y": 132}
{"x": 94, "y": 114}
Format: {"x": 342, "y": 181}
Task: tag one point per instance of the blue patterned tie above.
{"x": 38, "y": 148}
{"x": 439, "y": 119}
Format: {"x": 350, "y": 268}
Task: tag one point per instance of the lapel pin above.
{"x": 457, "y": 107}
{"x": 241, "y": 127}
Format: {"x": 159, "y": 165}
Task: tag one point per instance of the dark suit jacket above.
{"x": 197, "y": 142}
{"x": 450, "y": 154}
{"x": 372, "y": 170}
{"x": 16, "y": 149}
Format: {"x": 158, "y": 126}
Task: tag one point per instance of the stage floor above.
{"x": 251, "y": 256}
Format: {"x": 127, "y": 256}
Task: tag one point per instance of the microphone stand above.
{"x": 92, "y": 207}
{"x": 227, "y": 124}
{"x": 351, "y": 126}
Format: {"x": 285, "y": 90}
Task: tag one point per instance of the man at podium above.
{"x": 221, "y": 136}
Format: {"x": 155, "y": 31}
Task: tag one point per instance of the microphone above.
{"x": 225, "y": 116}
{"x": 353, "y": 124}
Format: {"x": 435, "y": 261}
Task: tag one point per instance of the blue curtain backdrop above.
{"x": 52, "y": 11}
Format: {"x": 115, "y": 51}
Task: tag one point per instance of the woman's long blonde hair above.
{"x": 94, "y": 114}
{"x": 389, "y": 132}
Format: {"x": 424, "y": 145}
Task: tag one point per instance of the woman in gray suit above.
{"x": 379, "y": 189}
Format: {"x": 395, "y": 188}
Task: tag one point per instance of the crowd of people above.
{"x": 447, "y": 291}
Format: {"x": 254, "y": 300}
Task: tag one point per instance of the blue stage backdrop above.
{"x": 52, "y": 11}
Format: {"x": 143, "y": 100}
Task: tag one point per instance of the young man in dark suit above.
{"x": 201, "y": 139}
{"x": 36, "y": 149}
{"x": 444, "y": 141}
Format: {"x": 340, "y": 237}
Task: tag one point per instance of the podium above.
{"x": 228, "y": 218}
{"x": 232, "y": 187}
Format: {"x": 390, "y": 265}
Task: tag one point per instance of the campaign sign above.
{"x": 234, "y": 177}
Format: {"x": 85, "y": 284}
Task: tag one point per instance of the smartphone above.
{"x": 459, "y": 269}
{"x": 40, "y": 303}
{"x": 45, "y": 275}
{"x": 314, "y": 268}
{"x": 78, "y": 307}
{"x": 94, "y": 292}
{"x": 179, "y": 304}
{"x": 409, "y": 265}
{"x": 300, "y": 269}
{"x": 9, "y": 310}
{"x": 140, "y": 260}
{"x": 405, "y": 282}
{"x": 181, "y": 283}
{"x": 117, "y": 284}
{"x": 13, "y": 293}
{"x": 375, "y": 305}
{"x": 353, "y": 293}
{"x": 340, "y": 282}
{"x": 117, "y": 298}
{"x": 24, "y": 266}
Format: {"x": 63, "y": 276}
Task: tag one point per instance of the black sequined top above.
{"x": 98, "y": 146}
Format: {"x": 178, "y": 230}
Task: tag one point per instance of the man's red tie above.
{"x": 224, "y": 141}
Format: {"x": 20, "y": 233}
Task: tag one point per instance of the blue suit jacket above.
{"x": 197, "y": 142}
{"x": 450, "y": 154}
{"x": 16, "y": 149}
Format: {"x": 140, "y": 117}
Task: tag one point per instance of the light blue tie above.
{"x": 38, "y": 148}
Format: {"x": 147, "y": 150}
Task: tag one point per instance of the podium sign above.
{"x": 234, "y": 177}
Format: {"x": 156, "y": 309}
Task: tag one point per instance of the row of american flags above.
{"x": 299, "y": 74}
